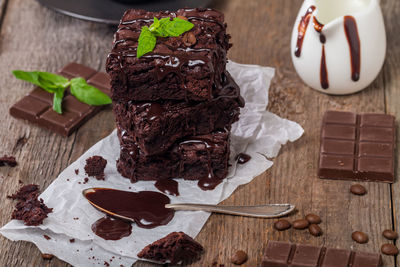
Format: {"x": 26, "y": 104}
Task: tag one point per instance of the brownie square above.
{"x": 192, "y": 158}
{"x": 156, "y": 126}
{"x": 175, "y": 70}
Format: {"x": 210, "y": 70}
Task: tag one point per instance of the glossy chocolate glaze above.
{"x": 111, "y": 229}
{"x": 146, "y": 208}
{"x": 351, "y": 30}
{"x": 242, "y": 158}
{"x": 302, "y": 29}
{"x": 168, "y": 186}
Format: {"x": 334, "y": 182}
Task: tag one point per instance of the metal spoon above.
{"x": 259, "y": 211}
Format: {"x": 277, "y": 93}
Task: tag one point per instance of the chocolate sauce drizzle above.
{"x": 111, "y": 229}
{"x": 324, "y": 72}
{"x": 167, "y": 186}
{"x": 176, "y": 62}
{"x": 351, "y": 30}
{"x": 146, "y": 208}
{"x": 242, "y": 158}
{"x": 302, "y": 29}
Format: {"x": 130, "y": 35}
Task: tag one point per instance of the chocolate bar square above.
{"x": 357, "y": 147}
{"x": 36, "y": 107}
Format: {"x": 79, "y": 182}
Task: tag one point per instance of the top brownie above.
{"x": 188, "y": 67}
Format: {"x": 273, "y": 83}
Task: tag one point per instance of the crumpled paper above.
{"x": 258, "y": 133}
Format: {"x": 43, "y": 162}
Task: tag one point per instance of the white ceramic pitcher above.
{"x": 339, "y": 46}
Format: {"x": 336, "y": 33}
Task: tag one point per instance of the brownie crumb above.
{"x": 76, "y": 171}
{"x": 175, "y": 247}
{"x": 29, "y": 208}
{"x": 47, "y": 256}
{"x": 85, "y": 180}
{"x": 47, "y": 237}
{"x": 72, "y": 240}
{"x": 95, "y": 167}
{"x": 106, "y": 264}
{"x": 7, "y": 161}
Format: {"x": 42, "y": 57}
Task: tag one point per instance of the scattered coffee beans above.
{"x": 358, "y": 189}
{"x": 300, "y": 224}
{"x": 315, "y": 230}
{"x": 239, "y": 257}
{"x": 313, "y": 218}
{"x": 282, "y": 225}
{"x": 390, "y": 234}
{"x": 389, "y": 249}
{"x": 47, "y": 256}
{"x": 359, "y": 237}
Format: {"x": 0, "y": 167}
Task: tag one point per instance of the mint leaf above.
{"x": 57, "y": 100}
{"x": 156, "y": 24}
{"x": 177, "y": 26}
{"x": 147, "y": 42}
{"x": 47, "y": 81}
{"x": 88, "y": 94}
{"x": 159, "y": 30}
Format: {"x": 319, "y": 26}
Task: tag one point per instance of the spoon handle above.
{"x": 260, "y": 211}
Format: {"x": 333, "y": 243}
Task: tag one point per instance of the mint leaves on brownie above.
{"x": 57, "y": 84}
{"x": 165, "y": 27}
{"x": 29, "y": 208}
{"x": 95, "y": 166}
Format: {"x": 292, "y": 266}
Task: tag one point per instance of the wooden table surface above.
{"x": 33, "y": 37}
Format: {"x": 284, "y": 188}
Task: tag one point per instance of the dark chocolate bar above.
{"x": 36, "y": 107}
{"x": 357, "y": 147}
{"x": 283, "y": 254}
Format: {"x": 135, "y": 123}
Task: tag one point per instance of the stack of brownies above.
{"x": 174, "y": 106}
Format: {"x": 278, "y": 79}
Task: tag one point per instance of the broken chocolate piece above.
{"x": 175, "y": 247}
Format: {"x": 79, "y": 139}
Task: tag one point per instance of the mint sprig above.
{"x": 57, "y": 85}
{"x": 164, "y": 27}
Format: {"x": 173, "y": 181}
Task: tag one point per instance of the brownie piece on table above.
{"x": 156, "y": 126}
{"x": 192, "y": 158}
{"x": 176, "y": 69}
{"x": 175, "y": 247}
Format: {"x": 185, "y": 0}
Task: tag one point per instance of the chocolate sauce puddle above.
{"x": 305, "y": 20}
{"x": 146, "y": 208}
{"x": 242, "y": 158}
{"x": 111, "y": 229}
{"x": 168, "y": 186}
{"x": 351, "y": 30}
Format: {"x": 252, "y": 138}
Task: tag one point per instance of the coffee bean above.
{"x": 389, "y": 249}
{"x": 47, "y": 256}
{"x": 359, "y": 237}
{"x": 300, "y": 224}
{"x": 313, "y": 218}
{"x": 315, "y": 230}
{"x": 239, "y": 257}
{"x": 282, "y": 225}
{"x": 189, "y": 39}
{"x": 358, "y": 189}
{"x": 390, "y": 234}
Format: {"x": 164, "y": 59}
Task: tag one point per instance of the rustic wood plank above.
{"x": 261, "y": 34}
{"x": 34, "y": 37}
{"x": 391, "y": 72}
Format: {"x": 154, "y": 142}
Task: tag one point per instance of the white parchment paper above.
{"x": 258, "y": 133}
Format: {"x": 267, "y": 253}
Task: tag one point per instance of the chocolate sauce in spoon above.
{"x": 111, "y": 229}
{"x": 350, "y": 28}
{"x": 146, "y": 208}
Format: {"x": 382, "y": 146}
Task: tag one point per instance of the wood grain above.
{"x": 33, "y": 37}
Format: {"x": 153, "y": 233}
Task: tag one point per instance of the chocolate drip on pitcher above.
{"x": 324, "y": 71}
{"x": 305, "y": 20}
{"x": 350, "y": 28}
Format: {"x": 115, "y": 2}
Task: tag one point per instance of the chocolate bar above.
{"x": 357, "y": 147}
{"x": 283, "y": 254}
{"x": 36, "y": 107}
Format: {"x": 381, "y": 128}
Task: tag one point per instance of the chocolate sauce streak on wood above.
{"x": 146, "y": 208}
{"x": 168, "y": 186}
{"x": 242, "y": 158}
{"x": 324, "y": 72}
{"x": 351, "y": 30}
{"x": 111, "y": 229}
{"x": 208, "y": 182}
{"x": 302, "y": 30}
